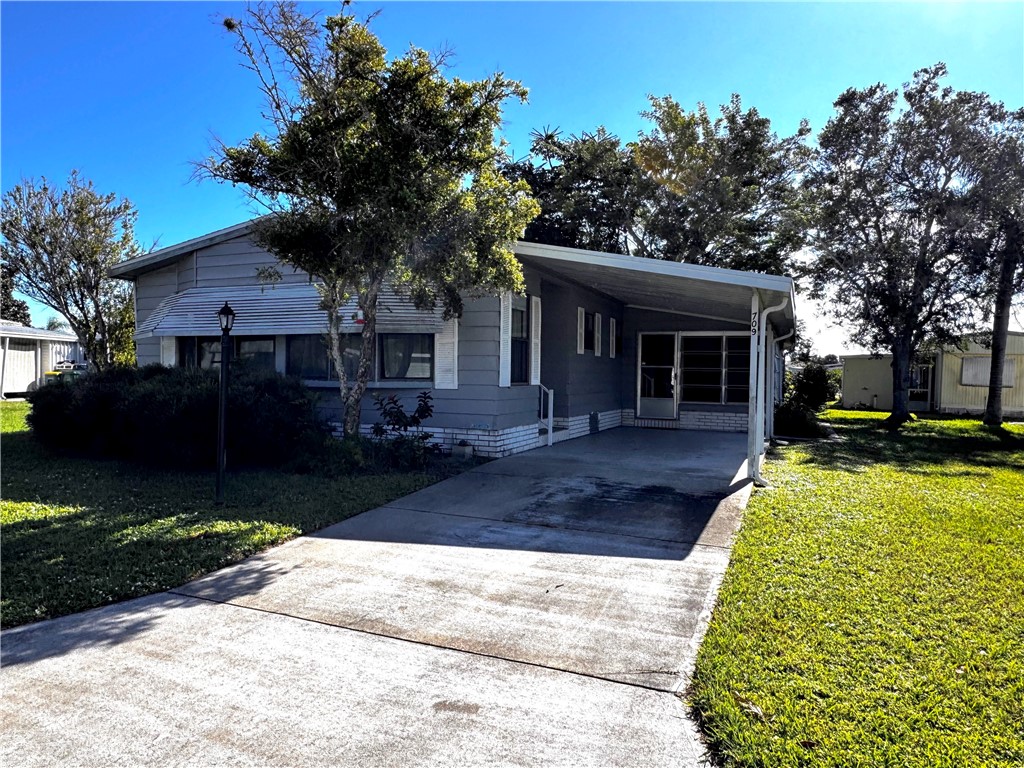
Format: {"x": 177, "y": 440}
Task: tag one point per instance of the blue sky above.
{"x": 130, "y": 93}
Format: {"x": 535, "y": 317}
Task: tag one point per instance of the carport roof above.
{"x": 668, "y": 286}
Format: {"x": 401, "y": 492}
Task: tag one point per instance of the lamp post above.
{"x": 226, "y": 316}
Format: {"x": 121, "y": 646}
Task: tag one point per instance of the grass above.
{"x": 80, "y": 533}
{"x": 873, "y": 611}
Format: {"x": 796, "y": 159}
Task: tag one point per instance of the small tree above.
{"x": 60, "y": 244}
{"x": 376, "y": 171}
{"x": 891, "y": 189}
{"x": 10, "y": 307}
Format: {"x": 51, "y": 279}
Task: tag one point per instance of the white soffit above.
{"x": 666, "y": 285}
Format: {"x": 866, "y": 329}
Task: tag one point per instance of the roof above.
{"x": 282, "y": 309}
{"x": 712, "y": 292}
{"x": 689, "y": 289}
{"x": 15, "y": 330}
{"x": 132, "y": 268}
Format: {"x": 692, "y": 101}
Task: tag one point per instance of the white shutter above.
{"x": 505, "y": 342}
{"x": 611, "y": 337}
{"x": 446, "y": 356}
{"x": 168, "y": 351}
{"x": 581, "y": 322}
{"x": 597, "y": 335}
{"x": 535, "y": 339}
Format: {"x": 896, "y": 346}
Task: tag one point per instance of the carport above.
{"x": 678, "y": 319}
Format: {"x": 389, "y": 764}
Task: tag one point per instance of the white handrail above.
{"x": 550, "y": 421}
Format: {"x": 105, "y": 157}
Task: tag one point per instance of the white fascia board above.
{"x": 776, "y": 283}
{"x": 134, "y": 267}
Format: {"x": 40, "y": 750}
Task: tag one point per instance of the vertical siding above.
{"x": 582, "y": 383}
{"x": 956, "y": 397}
{"x": 866, "y": 378}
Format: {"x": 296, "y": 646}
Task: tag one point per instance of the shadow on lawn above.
{"x": 918, "y": 449}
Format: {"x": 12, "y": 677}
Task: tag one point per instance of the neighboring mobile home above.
{"x": 29, "y": 353}
{"x": 598, "y": 341}
{"x": 949, "y": 381}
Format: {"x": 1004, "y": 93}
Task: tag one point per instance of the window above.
{"x": 309, "y": 357}
{"x": 588, "y": 332}
{"x": 520, "y": 340}
{"x": 406, "y": 356}
{"x": 204, "y": 352}
{"x": 617, "y": 337}
{"x": 975, "y": 371}
{"x": 714, "y": 369}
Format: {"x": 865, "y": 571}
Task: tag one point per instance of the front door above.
{"x": 657, "y": 369}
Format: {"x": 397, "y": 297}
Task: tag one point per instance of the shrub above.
{"x": 396, "y": 446}
{"x": 795, "y": 419}
{"x": 813, "y": 387}
{"x": 168, "y": 416}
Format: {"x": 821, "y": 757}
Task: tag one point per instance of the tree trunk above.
{"x": 901, "y": 358}
{"x": 1000, "y": 326}
{"x": 354, "y": 401}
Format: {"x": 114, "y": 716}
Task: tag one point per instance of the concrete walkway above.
{"x": 543, "y": 609}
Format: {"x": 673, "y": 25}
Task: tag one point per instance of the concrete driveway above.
{"x": 543, "y": 609}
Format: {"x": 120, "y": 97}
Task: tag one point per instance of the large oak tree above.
{"x": 375, "y": 171}
{"x": 892, "y": 186}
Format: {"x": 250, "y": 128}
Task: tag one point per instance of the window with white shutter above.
{"x": 581, "y": 319}
{"x": 597, "y": 335}
{"x": 535, "y": 339}
{"x": 612, "y": 336}
{"x": 505, "y": 341}
{"x": 446, "y": 356}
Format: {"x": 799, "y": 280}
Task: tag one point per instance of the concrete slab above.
{"x": 169, "y": 680}
{"x": 541, "y": 609}
{"x": 561, "y": 599}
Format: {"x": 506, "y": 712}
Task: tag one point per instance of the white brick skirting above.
{"x": 711, "y": 421}
{"x": 577, "y": 426}
{"x": 494, "y": 443}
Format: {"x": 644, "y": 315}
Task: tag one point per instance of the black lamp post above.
{"x": 226, "y": 316}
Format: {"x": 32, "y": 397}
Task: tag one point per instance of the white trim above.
{"x": 535, "y": 339}
{"x": 505, "y": 340}
{"x": 154, "y": 259}
{"x": 753, "y": 450}
{"x": 581, "y": 330}
{"x": 611, "y": 338}
{"x": 169, "y": 351}
{"x": 597, "y": 334}
{"x": 657, "y": 267}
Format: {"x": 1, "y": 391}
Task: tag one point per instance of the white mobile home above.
{"x": 949, "y": 381}
{"x": 29, "y": 353}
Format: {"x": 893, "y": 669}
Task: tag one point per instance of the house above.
{"x": 598, "y": 341}
{"x": 29, "y": 353}
{"x": 948, "y": 381}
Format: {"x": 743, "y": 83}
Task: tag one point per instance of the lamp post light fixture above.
{"x": 226, "y": 316}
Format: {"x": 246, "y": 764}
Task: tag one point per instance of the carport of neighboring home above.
{"x": 689, "y": 347}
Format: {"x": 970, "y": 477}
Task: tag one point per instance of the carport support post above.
{"x": 753, "y": 449}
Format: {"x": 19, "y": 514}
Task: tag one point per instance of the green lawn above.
{"x": 873, "y": 611}
{"x": 78, "y": 533}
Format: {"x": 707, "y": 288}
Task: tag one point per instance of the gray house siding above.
{"x": 234, "y": 262}
{"x": 582, "y": 383}
{"x": 150, "y": 289}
